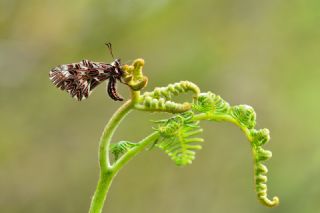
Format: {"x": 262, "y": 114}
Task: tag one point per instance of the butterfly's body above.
{"x": 79, "y": 79}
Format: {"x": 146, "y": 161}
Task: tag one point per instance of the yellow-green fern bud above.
{"x": 245, "y": 115}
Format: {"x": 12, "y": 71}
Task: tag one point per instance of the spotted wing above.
{"x": 79, "y": 79}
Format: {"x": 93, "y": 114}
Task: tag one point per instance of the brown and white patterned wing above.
{"x": 79, "y": 79}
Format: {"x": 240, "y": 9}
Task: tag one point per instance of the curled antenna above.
{"x": 109, "y": 45}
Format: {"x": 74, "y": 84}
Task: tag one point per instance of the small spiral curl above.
{"x": 259, "y": 138}
{"x": 245, "y": 115}
{"x": 209, "y": 102}
{"x": 261, "y": 186}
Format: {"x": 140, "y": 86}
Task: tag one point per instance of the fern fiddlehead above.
{"x": 245, "y": 115}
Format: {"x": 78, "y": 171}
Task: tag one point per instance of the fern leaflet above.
{"x": 120, "y": 148}
{"x": 178, "y": 139}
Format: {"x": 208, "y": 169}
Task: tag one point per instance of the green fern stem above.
{"x": 107, "y": 176}
{"x": 101, "y": 192}
{"x": 108, "y": 133}
{"x": 106, "y": 172}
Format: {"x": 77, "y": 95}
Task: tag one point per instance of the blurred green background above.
{"x": 261, "y": 53}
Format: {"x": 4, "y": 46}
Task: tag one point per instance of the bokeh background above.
{"x": 261, "y": 53}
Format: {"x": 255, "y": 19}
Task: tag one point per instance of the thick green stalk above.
{"x": 106, "y": 173}
{"x": 102, "y": 189}
{"x": 108, "y": 131}
{"x": 107, "y": 176}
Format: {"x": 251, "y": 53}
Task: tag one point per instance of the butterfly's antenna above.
{"x": 109, "y": 45}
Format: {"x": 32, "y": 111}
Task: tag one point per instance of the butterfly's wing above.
{"x": 79, "y": 79}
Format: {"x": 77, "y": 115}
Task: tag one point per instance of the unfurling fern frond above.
{"x": 178, "y": 139}
{"x": 213, "y": 107}
{"x": 120, "y": 148}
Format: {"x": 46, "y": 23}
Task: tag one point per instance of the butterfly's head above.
{"x": 117, "y": 63}
{"x": 117, "y": 68}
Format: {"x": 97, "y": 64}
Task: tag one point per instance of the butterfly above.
{"x": 79, "y": 79}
